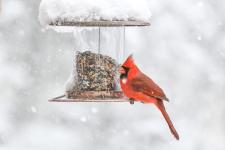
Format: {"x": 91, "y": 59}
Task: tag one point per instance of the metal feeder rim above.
{"x": 63, "y": 98}
{"x": 100, "y": 23}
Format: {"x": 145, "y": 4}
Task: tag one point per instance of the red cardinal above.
{"x": 139, "y": 87}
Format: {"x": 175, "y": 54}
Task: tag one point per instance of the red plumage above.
{"x": 139, "y": 87}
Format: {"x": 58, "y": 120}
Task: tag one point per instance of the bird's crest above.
{"x": 129, "y": 61}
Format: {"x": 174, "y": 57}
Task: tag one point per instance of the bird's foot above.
{"x": 131, "y": 101}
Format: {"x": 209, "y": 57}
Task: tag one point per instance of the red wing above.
{"x": 144, "y": 84}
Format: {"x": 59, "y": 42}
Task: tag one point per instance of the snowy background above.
{"x": 183, "y": 51}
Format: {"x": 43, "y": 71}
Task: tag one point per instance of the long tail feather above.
{"x": 161, "y": 107}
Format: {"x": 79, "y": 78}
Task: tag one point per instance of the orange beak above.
{"x": 121, "y": 70}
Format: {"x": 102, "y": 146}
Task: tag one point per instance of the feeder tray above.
{"x": 89, "y": 97}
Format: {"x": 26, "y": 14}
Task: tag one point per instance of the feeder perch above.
{"x": 98, "y": 55}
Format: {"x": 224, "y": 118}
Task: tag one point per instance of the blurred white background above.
{"x": 183, "y": 51}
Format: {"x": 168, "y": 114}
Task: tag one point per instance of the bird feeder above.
{"x": 100, "y": 48}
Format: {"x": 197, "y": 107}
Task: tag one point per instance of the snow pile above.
{"x": 89, "y": 10}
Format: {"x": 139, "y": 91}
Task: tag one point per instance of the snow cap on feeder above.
{"x": 94, "y": 13}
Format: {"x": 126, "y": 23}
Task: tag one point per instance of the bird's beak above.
{"x": 121, "y": 70}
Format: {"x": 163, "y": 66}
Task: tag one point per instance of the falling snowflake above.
{"x": 94, "y": 110}
{"x": 83, "y": 119}
{"x": 33, "y": 109}
{"x": 200, "y": 4}
{"x": 199, "y": 38}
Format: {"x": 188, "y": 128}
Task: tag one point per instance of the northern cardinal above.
{"x": 139, "y": 87}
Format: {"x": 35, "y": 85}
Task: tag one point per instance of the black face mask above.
{"x": 124, "y": 75}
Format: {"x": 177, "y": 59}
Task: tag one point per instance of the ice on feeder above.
{"x": 71, "y": 82}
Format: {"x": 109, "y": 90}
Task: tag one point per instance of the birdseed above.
{"x": 95, "y": 72}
